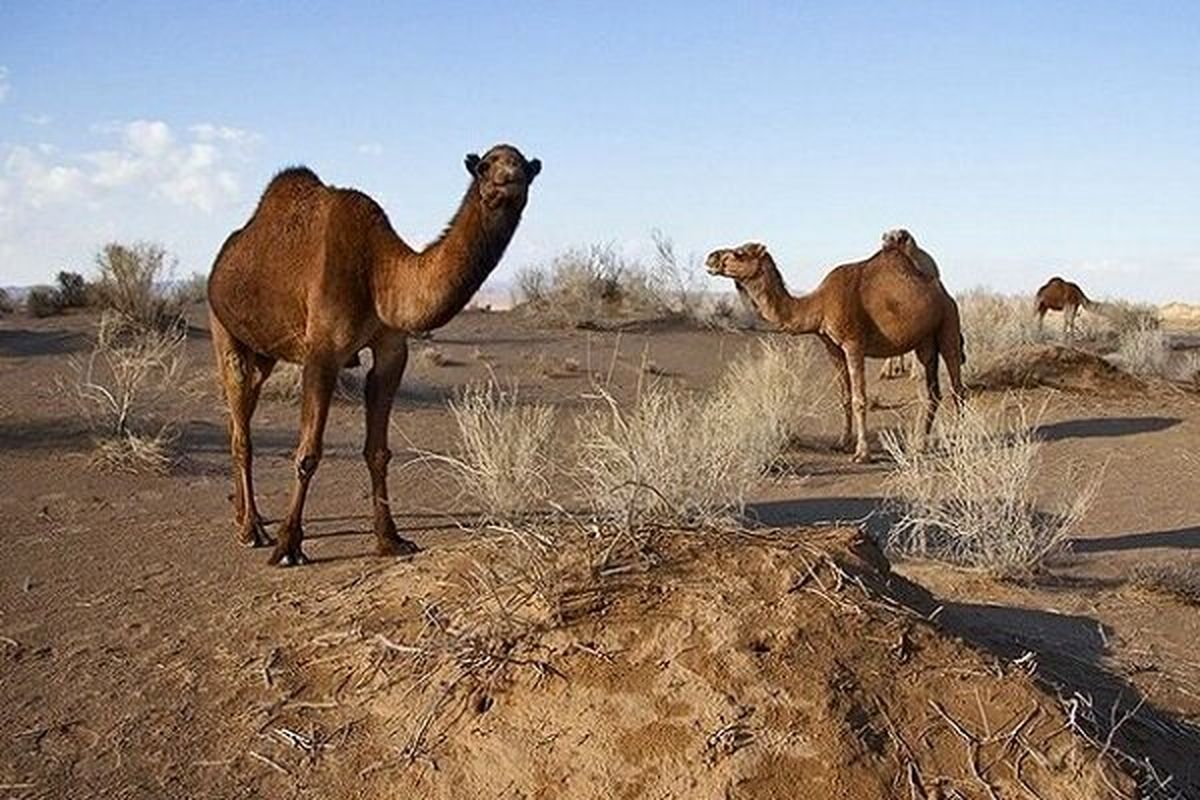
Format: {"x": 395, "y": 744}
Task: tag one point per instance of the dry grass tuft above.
{"x": 504, "y": 450}
{"x": 43, "y": 301}
{"x": 125, "y": 389}
{"x": 677, "y": 458}
{"x": 1143, "y": 350}
{"x": 434, "y": 357}
{"x": 1179, "y": 581}
{"x": 971, "y": 500}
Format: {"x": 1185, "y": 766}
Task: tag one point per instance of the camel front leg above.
{"x": 858, "y": 403}
{"x": 242, "y": 374}
{"x": 389, "y": 358}
{"x": 839, "y": 367}
{"x": 320, "y": 377}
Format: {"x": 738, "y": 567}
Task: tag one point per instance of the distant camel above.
{"x": 316, "y": 275}
{"x": 1064, "y": 296}
{"x": 900, "y": 239}
{"x": 876, "y": 308}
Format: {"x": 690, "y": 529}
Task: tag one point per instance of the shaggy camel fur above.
{"x": 900, "y": 239}
{"x": 876, "y": 308}
{"x": 1064, "y": 296}
{"x": 318, "y": 274}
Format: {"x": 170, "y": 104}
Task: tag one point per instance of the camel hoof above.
{"x": 256, "y": 535}
{"x": 285, "y": 556}
{"x": 395, "y": 546}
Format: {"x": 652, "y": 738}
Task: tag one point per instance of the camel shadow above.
{"x": 1180, "y": 539}
{"x": 1067, "y": 653}
{"x": 1103, "y": 427}
{"x": 24, "y": 343}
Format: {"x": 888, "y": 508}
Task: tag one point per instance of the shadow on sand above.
{"x": 23, "y": 343}
{"x": 1103, "y": 427}
{"x": 1068, "y": 652}
{"x": 1180, "y": 539}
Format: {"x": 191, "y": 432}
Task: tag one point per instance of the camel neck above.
{"x": 793, "y": 314}
{"x": 422, "y": 291}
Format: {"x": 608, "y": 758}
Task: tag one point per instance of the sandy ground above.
{"x": 134, "y": 630}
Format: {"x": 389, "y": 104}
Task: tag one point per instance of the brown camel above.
{"x": 1064, "y": 296}
{"x": 318, "y": 274}
{"x": 900, "y": 239}
{"x": 877, "y": 308}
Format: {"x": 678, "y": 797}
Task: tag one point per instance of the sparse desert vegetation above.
{"x": 125, "y": 388}
{"x": 975, "y": 496}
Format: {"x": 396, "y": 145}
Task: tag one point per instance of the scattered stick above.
{"x": 275, "y": 765}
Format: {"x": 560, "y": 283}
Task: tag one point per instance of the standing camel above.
{"x": 316, "y": 275}
{"x": 876, "y": 308}
{"x": 1064, "y": 296}
{"x": 900, "y": 239}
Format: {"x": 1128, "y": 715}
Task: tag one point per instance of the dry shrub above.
{"x": 585, "y": 285}
{"x": 7, "y": 306}
{"x": 131, "y": 280}
{"x": 434, "y": 357}
{"x": 504, "y": 450}
{"x": 191, "y": 290}
{"x": 971, "y": 500}
{"x": 43, "y": 301}
{"x": 677, "y": 458}
{"x": 1143, "y": 350}
{"x": 1176, "y": 580}
{"x": 993, "y": 323}
{"x": 125, "y": 389}
{"x": 286, "y": 383}
{"x": 72, "y": 289}
{"x": 1123, "y": 315}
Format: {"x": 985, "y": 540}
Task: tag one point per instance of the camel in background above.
{"x": 1060, "y": 295}
{"x": 877, "y": 308}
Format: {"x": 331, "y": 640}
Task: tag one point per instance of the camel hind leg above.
{"x": 389, "y": 358}
{"x": 927, "y": 354}
{"x": 950, "y": 347}
{"x": 858, "y": 403}
{"x": 242, "y": 373}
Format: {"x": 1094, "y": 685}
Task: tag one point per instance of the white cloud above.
{"x": 4, "y": 84}
{"x": 143, "y": 178}
{"x": 40, "y": 120}
{"x": 149, "y": 159}
{"x": 370, "y": 148}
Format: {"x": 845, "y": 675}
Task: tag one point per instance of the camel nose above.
{"x": 713, "y": 264}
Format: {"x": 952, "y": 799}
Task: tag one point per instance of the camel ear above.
{"x": 472, "y": 162}
{"x": 756, "y": 250}
{"x": 533, "y": 169}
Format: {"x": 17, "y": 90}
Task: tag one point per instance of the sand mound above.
{"x": 794, "y": 666}
{"x": 1054, "y": 366}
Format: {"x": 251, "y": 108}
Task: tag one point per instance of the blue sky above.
{"x": 1014, "y": 139}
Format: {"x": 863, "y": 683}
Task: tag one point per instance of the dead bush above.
{"x": 126, "y": 390}
{"x": 992, "y": 324}
{"x": 131, "y": 280}
{"x": 72, "y": 289}
{"x": 1143, "y": 350}
{"x": 1176, "y": 580}
{"x": 504, "y": 450}
{"x": 7, "y": 306}
{"x": 43, "y": 301}
{"x": 191, "y": 290}
{"x": 971, "y": 499}
{"x": 679, "y": 458}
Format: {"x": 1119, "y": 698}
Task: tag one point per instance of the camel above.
{"x": 318, "y": 274}
{"x": 901, "y": 239}
{"x": 877, "y": 308}
{"x": 1064, "y": 296}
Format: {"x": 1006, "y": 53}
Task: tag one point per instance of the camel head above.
{"x": 502, "y": 177}
{"x": 899, "y": 239}
{"x": 744, "y": 263}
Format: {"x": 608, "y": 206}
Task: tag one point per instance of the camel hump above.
{"x": 901, "y": 260}
{"x": 290, "y": 182}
